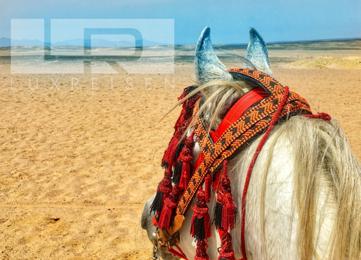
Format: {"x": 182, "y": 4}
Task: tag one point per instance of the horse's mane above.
{"x": 323, "y": 166}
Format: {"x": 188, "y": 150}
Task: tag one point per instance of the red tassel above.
{"x": 185, "y": 176}
{"x": 200, "y": 220}
{"x": 168, "y": 156}
{"x": 224, "y": 198}
{"x": 163, "y": 191}
{"x": 228, "y": 212}
{"x": 201, "y": 250}
{"x": 226, "y": 251}
{"x": 186, "y": 157}
{"x": 167, "y": 213}
{"x": 225, "y": 214}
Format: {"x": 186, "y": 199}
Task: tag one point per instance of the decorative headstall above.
{"x": 253, "y": 114}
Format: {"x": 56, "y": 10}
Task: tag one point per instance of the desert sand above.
{"x": 80, "y": 154}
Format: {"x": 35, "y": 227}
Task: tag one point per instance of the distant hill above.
{"x": 6, "y": 42}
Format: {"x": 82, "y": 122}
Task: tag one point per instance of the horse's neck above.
{"x": 270, "y": 216}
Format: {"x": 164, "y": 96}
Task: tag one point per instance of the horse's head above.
{"x": 209, "y": 68}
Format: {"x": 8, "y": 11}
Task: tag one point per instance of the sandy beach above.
{"x": 80, "y": 153}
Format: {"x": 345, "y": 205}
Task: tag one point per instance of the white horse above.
{"x": 304, "y": 198}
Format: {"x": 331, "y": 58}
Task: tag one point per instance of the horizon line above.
{"x": 191, "y": 44}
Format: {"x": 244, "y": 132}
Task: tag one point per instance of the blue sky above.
{"x": 230, "y": 20}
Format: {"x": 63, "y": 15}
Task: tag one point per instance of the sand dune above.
{"x": 78, "y": 161}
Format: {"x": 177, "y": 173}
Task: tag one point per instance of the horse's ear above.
{"x": 257, "y": 52}
{"x": 207, "y": 65}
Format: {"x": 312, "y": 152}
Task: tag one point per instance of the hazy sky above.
{"x": 230, "y": 20}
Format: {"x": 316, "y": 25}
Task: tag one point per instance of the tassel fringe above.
{"x": 200, "y": 229}
{"x": 224, "y": 215}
